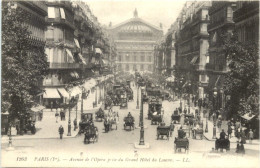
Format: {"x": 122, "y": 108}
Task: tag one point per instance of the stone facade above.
{"x": 192, "y": 45}
{"x": 135, "y": 41}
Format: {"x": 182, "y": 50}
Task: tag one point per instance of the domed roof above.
{"x": 136, "y": 27}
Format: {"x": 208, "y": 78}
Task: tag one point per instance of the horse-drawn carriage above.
{"x": 163, "y": 131}
{"x": 156, "y": 119}
{"x": 176, "y": 117}
{"x": 154, "y": 106}
{"x": 222, "y": 144}
{"x": 91, "y": 133}
{"x": 86, "y": 121}
{"x": 111, "y": 119}
{"x": 181, "y": 143}
{"x": 198, "y": 132}
{"x": 129, "y": 121}
{"x": 186, "y": 129}
{"x": 123, "y": 103}
{"x": 100, "y": 114}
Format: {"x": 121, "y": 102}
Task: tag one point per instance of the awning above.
{"x": 77, "y": 43}
{"x": 51, "y": 93}
{"x": 75, "y": 91}
{"x": 82, "y": 59}
{"x": 247, "y": 117}
{"x": 63, "y": 92}
{"x": 98, "y": 51}
{"x": 194, "y": 59}
{"x": 37, "y": 108}
{"x": 70, "y": 54}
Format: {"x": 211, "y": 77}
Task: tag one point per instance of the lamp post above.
{"x": 141, "y": 142}
{"x": 215, "y": 92}
{"x": 99, "y": 98}
{"x": 181, "y": 81}
{"x": 189, "y": 96}
{"x": 137, "y": 103}
{"x": 10, "y": 143}
{"x": 69, "y": 122}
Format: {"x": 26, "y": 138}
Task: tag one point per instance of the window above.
{"x": 135, "y": 58}
{"x": 51, "y": 12}
{"x": 142, "y": 67}
{"x": 57, "y": 13}
{"x": 149, "y": 59}
{"x": 127, "y": 67}
{"x": 134, "y": 67}
{"x": 49, "y": 34}
{"x": 49, "y": 52}
{"x": 207, "y": 59}
{"x": 142, "y": 58}
{"x": 127, "y": 57}
{"x": 62, "y": 13}
{"x": 229, "y": 13}
{"x": 58, "y": 34}
{"x": 149, "y": 67}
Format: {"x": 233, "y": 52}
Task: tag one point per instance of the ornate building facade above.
{"x": 192, "y": 45}
{"x": 221, "y": 22}
{"x": 135, "y": 40}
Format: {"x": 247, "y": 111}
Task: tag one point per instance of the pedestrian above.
{"x": 57, "y": 115}
{"x": 185, "y": 110}
{"x": 75, "y": 124}
{"x": 51, "y": 105}
{"x": 217, "y": 113}
{"x": 61, "y": 131}
{"x": 229, "y": 131}
{"x": 192, "y": 99}
{"x": 251, "y": 136}
{"x": 243, "y": 136}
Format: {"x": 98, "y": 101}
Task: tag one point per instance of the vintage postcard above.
{"x": 130, "y": 83}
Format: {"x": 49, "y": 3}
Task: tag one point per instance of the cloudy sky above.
{"x": 152, "y": 11}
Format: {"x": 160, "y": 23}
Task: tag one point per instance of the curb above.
{"x": 29, "y": 138}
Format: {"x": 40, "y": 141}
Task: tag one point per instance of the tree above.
{"x": 242, "y": 81}
{"x": 23, "y": 64}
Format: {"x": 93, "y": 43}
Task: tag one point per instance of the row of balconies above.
{"x": 248, "y": 9}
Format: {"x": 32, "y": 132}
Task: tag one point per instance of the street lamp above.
{"x": 141, "y": 142}
{"x": 181, "y": 81}
{"x": 215, "y": 92}
{"x": 69, "y": 122}
{"x": 137, "y": 103}
{"x": 189, "y": 96}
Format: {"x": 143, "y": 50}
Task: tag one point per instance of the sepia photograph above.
{"x": 130, "y": 83}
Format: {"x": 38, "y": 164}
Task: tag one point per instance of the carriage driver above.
{"x": 181, "y": 133}
{"x": 129, "y": 115}
{"x": 222, "y": 135}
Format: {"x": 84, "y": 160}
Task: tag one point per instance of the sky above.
{"x": 152, "y": 11}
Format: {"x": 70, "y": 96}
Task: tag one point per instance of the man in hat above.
{"x": 61, "y": 131}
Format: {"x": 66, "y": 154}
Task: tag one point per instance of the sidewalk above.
{"x": 48, "y": 128}
{"x": 209, "y": 134}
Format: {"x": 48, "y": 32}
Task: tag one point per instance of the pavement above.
{"x": 119, "y": 143}
{"x": 48, "y": 127}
